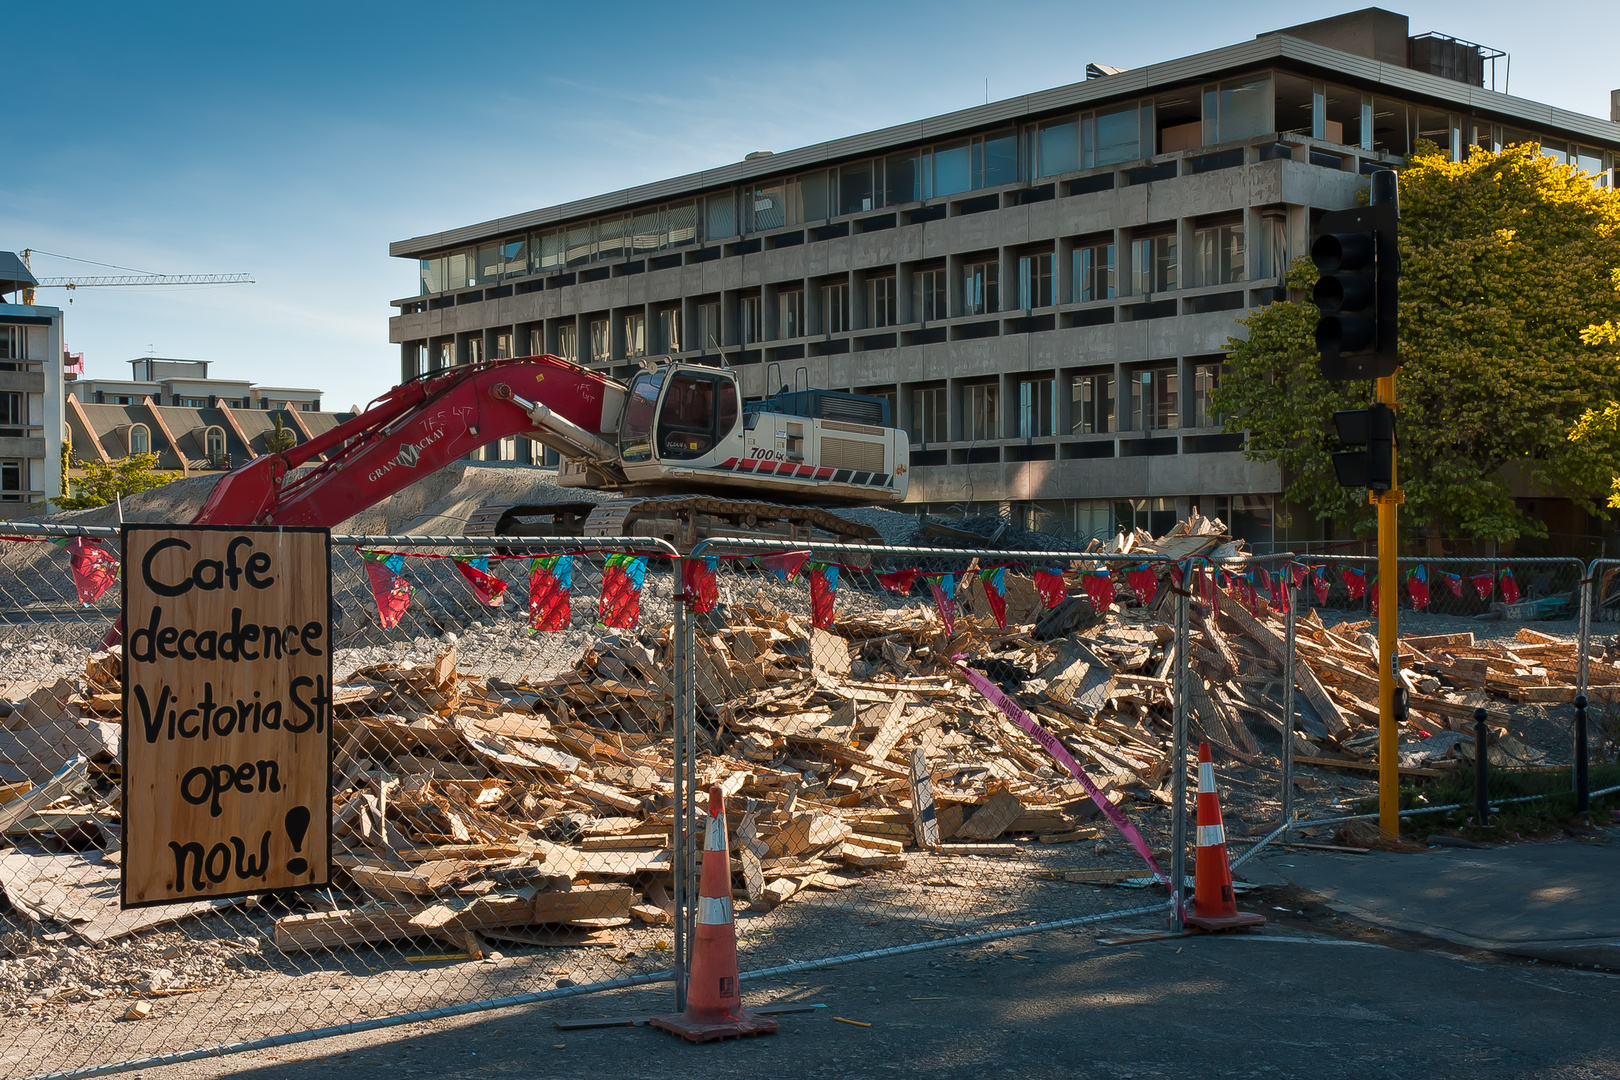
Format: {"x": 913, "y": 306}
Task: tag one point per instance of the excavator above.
{"x": 686, "y": 457}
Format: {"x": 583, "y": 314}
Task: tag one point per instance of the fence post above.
{"x": 681, "y": 627}
{"x": 1482, "y": 783}
{"x": 1288, "y": 702}
{"x": 1583, "y": 786}
{"x": 1577, "y": 778}
{"x": 1178, "y": 775}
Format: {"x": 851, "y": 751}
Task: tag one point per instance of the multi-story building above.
{"x": 1043, "y": 287}
{"x": 186, "y": 383}
{"x": 31, "y": 376}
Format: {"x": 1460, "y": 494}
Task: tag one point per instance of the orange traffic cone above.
{"x": 1213, "y": 906}
{"x": 713, "y": 1002}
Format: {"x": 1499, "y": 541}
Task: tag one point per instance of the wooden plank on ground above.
{"x": 1338, "y": 727}
{"x": 991, "y": 820}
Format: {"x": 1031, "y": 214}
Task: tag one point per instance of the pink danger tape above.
{"x": 1010, "y": 709}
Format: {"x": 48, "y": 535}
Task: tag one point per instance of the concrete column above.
{"x": 1063, "y": 271}
{"x": 1122, "y": 399}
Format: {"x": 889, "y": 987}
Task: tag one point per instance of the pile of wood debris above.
{"x": 473, "y": 810}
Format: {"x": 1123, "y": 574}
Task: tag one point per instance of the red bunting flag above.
{"x": 943, "y": 586}
{"x": 823, "y": 584}
{"x": 1484, "y": 584}
{"x": 1454, "y": 583}
{"x": 698, "y": 576}
{"x": 899, "y": 582}
{"x": 622, "y": 577}
{"x": 1050, "y": 586}
{"x": 1144, "y": 583}
{"x": 1279, "y": 593}
{"x": 391, "y": 591}
{"x": 489, "y": 589}
{"x": 551, "y": 584}
{"x": 1298, "y": 572}
{"x": 1355, "y": 583}
{"x": 1320, "y": 583}
{"x": 1417, "y": 587}
{"x": 1510, "y": 588}
{"x": 1099, "y": 585}
{"x": 994, "y": 581}
{"x": 93, "y": 567}
{"x": 1265, "y": 580}
{"x": 786, "y": 565}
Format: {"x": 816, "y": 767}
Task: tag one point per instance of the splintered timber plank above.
{"x": 1306, "y": 679}
{"x": 925, "y": 824}
{"x": 890, "y": 731}
{"x": 991, "y": 820}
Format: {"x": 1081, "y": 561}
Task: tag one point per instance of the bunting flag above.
{"x": 1143, "y": 582}
{"x": 1207, "y": 586}
{"x": 1485, "y": 585}
{"x": 1251, "y": 596}
{"x": 489, "y": 589}
{"x": 943, "y": 586}
{"x": 391, "y": 591}
{"x": 698, "y": 577}
{"x": 1417, "y": 587}
{"x": 1298, "y": 572}
{"x": 995, "y": 593}
{"x": 1265, "y": 580}
{"x": 1099, "y": 585}
{"x": 94, "y": 568}
{"x": 899, "y": 582}
{"x": 1049, "y": 584}
{"x": 622, "y": 578}
{"x": 1454, "y": 583}
{"x": 1355, "y": 583}
{"x": 1510, "y": 588}
{"x": 823, "y": 584}
{"x": 1320, "y": 583}
{"x": 1372, "y": 598}
{"x": 551, "y": 583}
{"x": 1279, "y": 593}
{"x": 785, "y": 566}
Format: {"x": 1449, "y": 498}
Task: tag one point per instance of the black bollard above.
{"x": 1583, "y": 787}
{"x": 1482, "y": 801}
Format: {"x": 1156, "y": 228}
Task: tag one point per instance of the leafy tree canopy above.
{"x": 1506, "y": 261}
{"x": 103, "y": 482}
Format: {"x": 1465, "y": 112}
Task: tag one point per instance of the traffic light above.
{"x": 1359, "y": 289}
{"x": 1372, "y": 430}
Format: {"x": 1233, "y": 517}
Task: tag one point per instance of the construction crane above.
{"x": 142, "y": 278}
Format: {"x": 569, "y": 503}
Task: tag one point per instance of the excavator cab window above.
{"x": 698, "y": 410}
{"x": 635, "y": 430}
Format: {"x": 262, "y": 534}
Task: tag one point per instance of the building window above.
{"x": 928, "y": 303}
{"x": 503, "y": 345}
{"x": 421, "y": 359}
{"x": 1155, "y": 399}
{"x": 855, "y": 187}
{"x": 568, "y": 341}
{"x": 1218, "y": 254}
{"x": 475, "y": 350}
{"x": 1153, "y": 264}
{"x": 1093, "y": 519}
{"x": 1273, "y": 240}
{"x": 1035, "y": 280}
{"x": 1093, "y": 400}
{"x": 835, "y": 315}
{"x": 930, "y": 415}
{"x": 1037, "y": 408}
{"x": 707, "y": 317}
{"x": 981, "y": 411}
{"x": 1093, "y": 272}
{"x": 1206, "y": 377}
{"x": 981, "y": 293}
{"x": 13, "y": 415}
{"x": 789, "y": 314}
{"x": 1237, "y": 110}
{"x": 882, "y": 307}
{"x": 635, "y": 335}
{"x": 1110, "y": 137}
{"x": 601, "y": 341}
{"x": 447, "y": 354}
{"x": 669, "y": 330}
{"x": 214, "y": 442}
{"x": 537, "y": 342}
{"x": 750, "y": 322}
{"x": 11, "y": 480}
{"x": 140, "y": 439}
{"x": 1057, "y": 147}
{"x": 506, "y": 449}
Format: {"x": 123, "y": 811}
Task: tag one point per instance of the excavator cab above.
{"x": 678, "y": 414}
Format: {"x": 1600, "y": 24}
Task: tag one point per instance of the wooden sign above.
{"x": 227, "y": 711}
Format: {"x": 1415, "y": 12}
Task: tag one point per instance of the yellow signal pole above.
{"x": 1389, "y": 777}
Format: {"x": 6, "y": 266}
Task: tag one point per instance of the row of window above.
{"x": 13, "y": 480}
{"x": 139, "y": 440}
{"x": 1183, "y": 119}
{"x": 1154, "y": 404}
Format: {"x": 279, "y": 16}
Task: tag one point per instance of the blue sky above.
{"x": 295, "y": 141}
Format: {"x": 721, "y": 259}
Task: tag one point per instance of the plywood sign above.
{"x": 227, "y": 711}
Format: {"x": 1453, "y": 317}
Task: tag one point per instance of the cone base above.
{"x": 1236, "y": 921}
{"x": 709, "y": 1027}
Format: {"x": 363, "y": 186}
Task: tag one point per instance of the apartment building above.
{"x": 31, "y": 377}
{"x": 1042, "y": 287}
{"x": 187, "y": 384}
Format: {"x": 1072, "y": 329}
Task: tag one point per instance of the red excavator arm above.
{"x": 411, "y": 431}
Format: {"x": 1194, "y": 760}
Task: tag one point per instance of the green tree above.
{"x": 282, "y": 439}
{"x": 103, "y": 482}
{"x": 1505, "y": 261}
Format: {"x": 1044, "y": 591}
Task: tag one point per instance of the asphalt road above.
{"x": 1287, "y": 1001}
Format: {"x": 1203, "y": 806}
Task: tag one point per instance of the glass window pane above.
{"x": 1000, "y": 164}
{"x": 552, "y": 249}
{"x": 486, "y": 264}
{"x": 433, "y": 275}
{"x": 1343, "y": 124}
{"x": 514, "y": 256}
{"x": 459, "y": 277}
{"x": 903, "y": 174}
{"x": 1433, "y": 126}
{"x": 855, "y": 188}
{"x": 951, "y": 174}
{"x": 682, "y": 218}
{"x": 769, "y": 207}
{"x": 577, "y": 244}
{"x": 1118, "y": 136}
{"x": 1245, "y": 108}
{"x": 813, "y": 194}
{"x": 611, "y": 235}
{"x": 1293, "y": 100}
{"x": 1058, "y": 147}
{"x": 646, "y": 232}
{"x": 720, "y": 216}
{"x": 1390, "y": 133}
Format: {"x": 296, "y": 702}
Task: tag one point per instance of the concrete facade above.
{"x": 32, "y": 364}
{"x": 1108, "y": 230}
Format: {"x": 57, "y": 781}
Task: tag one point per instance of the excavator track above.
{"x": 683, "y": 520}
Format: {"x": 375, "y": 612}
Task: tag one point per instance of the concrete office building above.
{"x": 1042, "y": 287}
{"x": 31, "y": 377}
